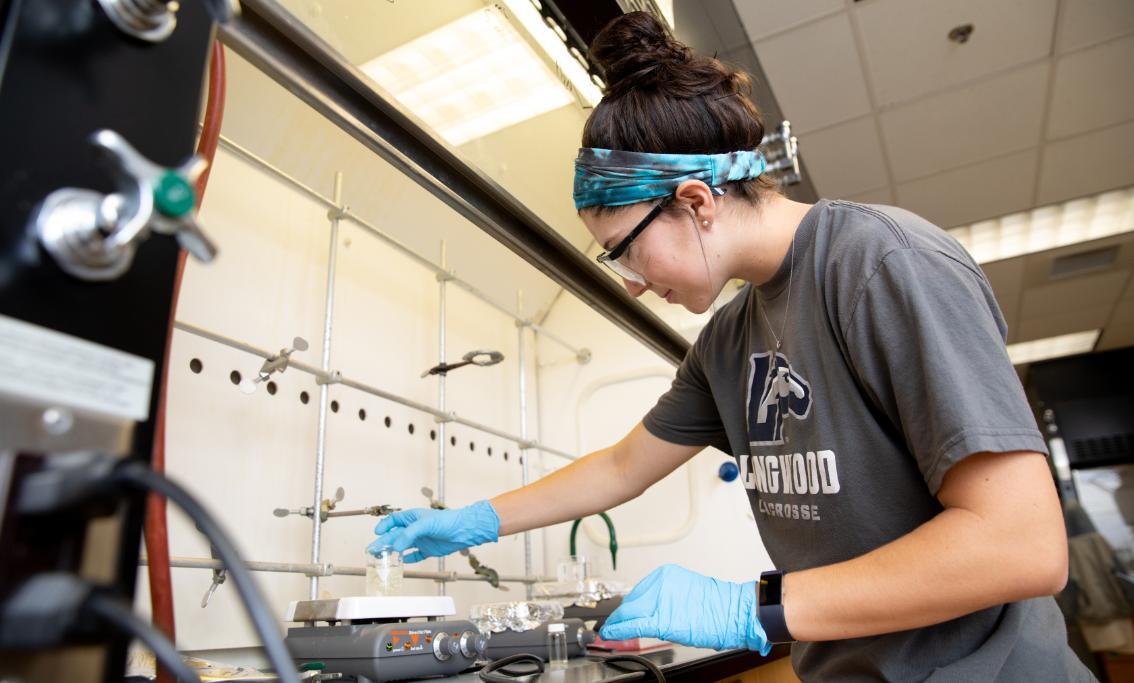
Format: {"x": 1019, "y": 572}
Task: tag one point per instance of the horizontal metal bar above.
{"x": 347, "y": 214}
{"x": 338, "y": 378}
{"x": 327, "y": 569}
{"x": 280, "y": 45}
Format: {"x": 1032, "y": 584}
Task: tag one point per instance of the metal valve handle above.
{"x": 94, "y": 236}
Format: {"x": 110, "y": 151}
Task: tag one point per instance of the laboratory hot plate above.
{"x": 373, "y": 640}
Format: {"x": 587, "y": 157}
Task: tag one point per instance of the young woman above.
{"x": 892, "y": 462}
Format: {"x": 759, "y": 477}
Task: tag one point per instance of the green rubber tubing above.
{"x": 613, "y": 538}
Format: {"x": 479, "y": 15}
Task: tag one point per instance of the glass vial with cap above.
{"x": 384, "y": 572}
{"x": 557, "y": 646}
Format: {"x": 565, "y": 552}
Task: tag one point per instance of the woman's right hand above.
{"x": 435, "y": 533}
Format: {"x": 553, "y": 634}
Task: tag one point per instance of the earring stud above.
{"x": 704, "y": 222}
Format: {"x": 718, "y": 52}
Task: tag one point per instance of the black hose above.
{"x": 121, "y": 617}
{"x": 489, "y": 672}
{"x": 615, "y": 662}
{"x": 142, "y": 477}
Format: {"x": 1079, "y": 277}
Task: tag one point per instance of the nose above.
{"x": 634, "y": 288}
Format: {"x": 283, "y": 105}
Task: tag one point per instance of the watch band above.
{"x": 770, "y": 607}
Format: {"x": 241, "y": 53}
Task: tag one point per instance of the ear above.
{"x": 697, "y": 198}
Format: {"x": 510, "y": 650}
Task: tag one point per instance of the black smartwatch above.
{"x": 770, "y": 607}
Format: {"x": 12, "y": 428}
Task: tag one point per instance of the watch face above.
{"x": 771, "y": 586}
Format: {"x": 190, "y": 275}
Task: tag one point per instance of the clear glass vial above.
{"x": 557, "y": 646}
{"x": 384, "y": 572}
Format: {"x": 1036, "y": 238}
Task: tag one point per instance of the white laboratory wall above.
{"x": 245, "y": 455}
{"x": 593, "y": 405}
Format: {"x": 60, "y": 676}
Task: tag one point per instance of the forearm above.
{"x": 591, "y": 484}
{"x": 955, "y": 564}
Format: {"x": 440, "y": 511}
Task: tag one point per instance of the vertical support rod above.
{"x": 545, "y": 562}
{"x": 524, "y": 452}
{"x": 441, "y": 426}
{"x": 324, "y": 390}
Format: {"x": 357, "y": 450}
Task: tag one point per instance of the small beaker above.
{"x": 384, "y": 572}
{"x": 572, "y": 569}
{"x": 557, "y": 646}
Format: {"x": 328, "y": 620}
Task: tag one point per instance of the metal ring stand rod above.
{"x": 336, "y": 378}
{"x": 523, "y": 373}
{"x": 441, "y": 271}
{"x": 326, "y": 569}
{"x": 335, "y": 215}
{"x": 442, "y": 283}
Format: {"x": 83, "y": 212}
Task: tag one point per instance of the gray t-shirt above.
{"x": 892, "y": 369}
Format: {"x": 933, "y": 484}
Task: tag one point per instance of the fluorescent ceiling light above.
{"x": 1048, "y": 227}
{"x": 565, "y": 62}
{"x": 471, "y": 77}
{"x": 1053, "y": 347}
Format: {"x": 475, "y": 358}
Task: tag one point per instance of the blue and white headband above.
{"x": 610, "y": 177}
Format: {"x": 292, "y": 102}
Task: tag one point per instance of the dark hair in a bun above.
{"x": 661, "y": 96}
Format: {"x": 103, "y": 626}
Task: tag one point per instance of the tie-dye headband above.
{"x": 610, "y": 177}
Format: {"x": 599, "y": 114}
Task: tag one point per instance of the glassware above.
{"x": 519, "y": 616}
{"x": 384, "y": 572}
{"x": 572, "y": 568}
{"x": 557, "y": 646}
{"x": 586, "y": 593}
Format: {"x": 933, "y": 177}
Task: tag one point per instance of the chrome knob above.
{"x": 473, "y": 644}
{"x": 93, "y": 236}
{"x": 441, "y": 646}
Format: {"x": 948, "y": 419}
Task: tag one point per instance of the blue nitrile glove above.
{"x": 436, "y": 532}
{"x": 682, "y": 606}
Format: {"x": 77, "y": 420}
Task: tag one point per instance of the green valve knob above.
{"x": 173, "y": 195}
{"x": 313, "y": 666}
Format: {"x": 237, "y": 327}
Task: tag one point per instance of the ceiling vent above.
{"x": 1083, "y": 262}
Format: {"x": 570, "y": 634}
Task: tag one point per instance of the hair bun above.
{"x": 634, "y": 51}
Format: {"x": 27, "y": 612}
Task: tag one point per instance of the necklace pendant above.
{"x": 778, "y": 345}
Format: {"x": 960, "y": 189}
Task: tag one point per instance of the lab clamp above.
{"x": 490, "y": 574}
{"x": 478, "y": 357}
{"x": 93, "y": 236}
{"x": 277, "y": 363}
{"x": 781, "y": 150}
{"x": 327, "y": 509}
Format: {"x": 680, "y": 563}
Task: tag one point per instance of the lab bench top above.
{"x": 679, "y": 663}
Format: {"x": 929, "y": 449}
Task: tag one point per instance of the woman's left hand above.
{"x": 682, "y": 606}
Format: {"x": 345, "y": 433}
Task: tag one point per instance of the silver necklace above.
{"x": 787, "y": 303}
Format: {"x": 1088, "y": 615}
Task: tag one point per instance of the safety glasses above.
{"x": 610, "y": 258}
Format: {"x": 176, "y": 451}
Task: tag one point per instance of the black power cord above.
{"x": 616, "y": 661}
{"x": 139, "y": 476}
{"x": 114, "y": 612}
{"x": 83, "y": 483}
{"x": 52, "y": 608}
{"x": 497, "y": 671}
{"x": 489, "y": 672}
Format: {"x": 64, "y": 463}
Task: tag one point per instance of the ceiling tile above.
{"x": 816, "y": 74}
{"x": 844, "y": 159}
{"x": 908, "y": 52}
{"x": 708, "y": 25}
{"x": 1063, "y": 321}
{"x": 1086, "y": 22}
{"x": 1116, "y": 337}
{"x": 1006, "y": 277}
{"x": 1087, "y": 164}
{"x": 1124, "y": 309}
{"x": 1092, "y": 89}
{"x": 963, "y": 195}
{"x": 1039, "y": 265}
{"x": 1084, "y": 292}
{"x": 975, "y": 122}
{"x": 882, "y": 195}
{"x": 762, "y": 18}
